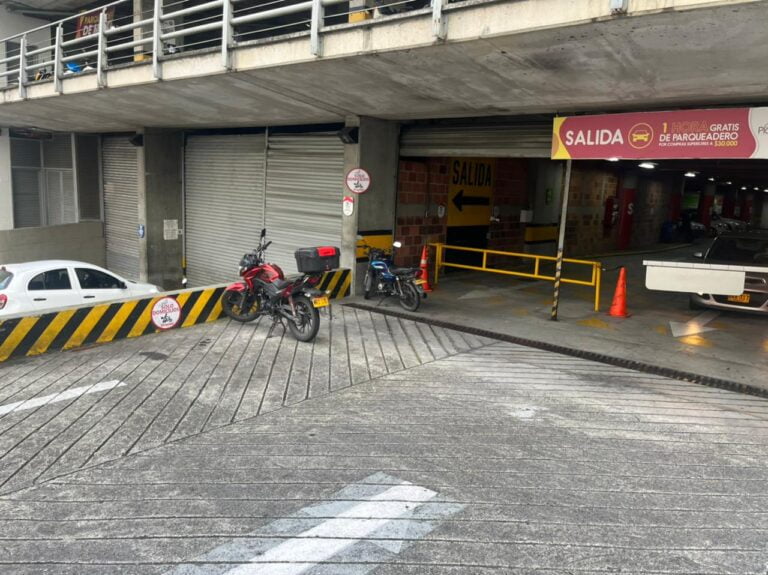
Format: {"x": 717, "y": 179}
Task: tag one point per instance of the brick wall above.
{"x": 510, "y": 195}
{"x": 589, "y": 189}
{"x": 585, "y": 233}
{"x": 652, "y": 208}
{"x": 423, "y": 186}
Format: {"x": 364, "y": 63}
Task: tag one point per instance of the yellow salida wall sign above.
{"x": 470, "y": 190}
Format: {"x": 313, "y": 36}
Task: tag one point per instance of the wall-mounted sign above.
{"x": 716, "y": 133}
{"x": 88, "y": 23}
{"x": 166, "y": 313}
{"x": 170, "y": 229}
{"x": 348, "y": 205}
{"x": 470, "y": 187}
{"x": 358, "y": 180}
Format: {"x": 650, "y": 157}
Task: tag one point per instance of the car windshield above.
{"x": 5, "y": 278}
{"x": 740, "y": 250}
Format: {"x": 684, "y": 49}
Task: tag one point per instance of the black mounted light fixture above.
{"x": 137, "y": 140}
{"x": 349, "y": 134}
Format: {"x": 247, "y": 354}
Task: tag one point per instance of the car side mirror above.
{"x": 699, "y": 255}
{"x": 398, "y": 245}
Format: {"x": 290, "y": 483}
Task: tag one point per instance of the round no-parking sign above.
{"x": 166, "y": 313}
{"x": 358, "y": 180}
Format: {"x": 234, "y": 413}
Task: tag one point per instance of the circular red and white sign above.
{"x": 358, "y": 180}
{"x": 166, "y": 313}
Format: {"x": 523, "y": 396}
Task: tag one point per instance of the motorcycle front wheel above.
{"x": 368, "y": 285}
{"x": 308, "y": 319}
{"x": 410, "y": 298}
{"x": 233, "y": 302}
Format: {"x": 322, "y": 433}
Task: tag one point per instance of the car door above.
{"x": 97, "y": 285}
{"x": 52, "y": 288}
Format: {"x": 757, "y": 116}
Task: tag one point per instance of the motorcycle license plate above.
{"x": 419, "y": 282}
{"x": 320, "y": 301}
{"x": 743, "y": 298}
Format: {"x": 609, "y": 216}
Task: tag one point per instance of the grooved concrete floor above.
{"x": 539, "y": 463}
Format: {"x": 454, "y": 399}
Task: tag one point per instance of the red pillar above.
{"x": 626, "y": 216}
{"x": 729, "y": 204}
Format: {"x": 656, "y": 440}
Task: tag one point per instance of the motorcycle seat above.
{"x": 402, "y": 271}
{"x": 280, "y": 285}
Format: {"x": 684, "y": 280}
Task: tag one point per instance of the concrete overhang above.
{"x": 501, "y": 58}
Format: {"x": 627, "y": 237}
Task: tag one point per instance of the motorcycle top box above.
{"x": 317, "y": 260}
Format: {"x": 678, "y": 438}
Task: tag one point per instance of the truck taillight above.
{"x": 3, "y": 300}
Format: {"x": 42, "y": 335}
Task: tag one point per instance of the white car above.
{"x": 49, "y": 284}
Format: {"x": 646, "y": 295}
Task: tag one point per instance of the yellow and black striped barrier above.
{"x": 76, "y": 327}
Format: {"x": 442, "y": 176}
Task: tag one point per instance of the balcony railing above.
{"x": 115, "y": 36}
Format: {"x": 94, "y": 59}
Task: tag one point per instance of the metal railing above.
{"x": 594, "y": 268}
{"x": 113, "y": 35}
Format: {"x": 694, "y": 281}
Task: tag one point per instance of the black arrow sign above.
{"x": 460, "y": 200}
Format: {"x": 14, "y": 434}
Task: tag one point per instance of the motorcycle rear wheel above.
{"x": 308, "y": 319}
{"x": 231, "y": 301}
{"x": 410, "y": 298}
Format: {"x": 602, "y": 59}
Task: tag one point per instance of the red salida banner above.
{"x": 715, "y": 133}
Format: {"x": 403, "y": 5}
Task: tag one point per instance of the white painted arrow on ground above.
{"x": 352, "y": 533}
{"x": 694, "y": 326}
{"x": 56, "y": 397}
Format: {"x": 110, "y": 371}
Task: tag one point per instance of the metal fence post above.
{"x": 227, "y": 35}
{"x": 101, "y": 57}
{"x": 439, "y": 30}
{"x": 157, "y": 45}
{"x": 23, "y": 67}
{"x": 57, "y": 55}
{"x": 316, "y": 24}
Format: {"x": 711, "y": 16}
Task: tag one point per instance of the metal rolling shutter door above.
{"x": 121, "y": 212}
{"x": 514, "y": 140}
{"x": 224, "y": 187}
{"x": 305, "y": 174}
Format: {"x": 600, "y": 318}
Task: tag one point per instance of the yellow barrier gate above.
{"x": 595, "y": 267}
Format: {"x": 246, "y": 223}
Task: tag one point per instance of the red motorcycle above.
{"x": 293, "y": 301}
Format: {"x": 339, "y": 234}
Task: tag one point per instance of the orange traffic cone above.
{"x": 425, "y": 270}
{"x": 619, "y": 305}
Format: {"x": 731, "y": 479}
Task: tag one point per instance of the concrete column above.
{"x": 706, "y": 202}
{"x": 377, "y": 152}
{"x": 6, "y": 191}
{"x": 140, "y": 8}
{"x": 545, "y": 187}
{"x": 360, "y": 10}
{"x": 162, "y": 204}
{"x": 760, "y": 211}
{"x": 349, "y": 224}
{"x": 729, "y": 203}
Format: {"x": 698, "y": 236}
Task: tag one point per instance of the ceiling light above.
{"x": 711, "y": 179}
{"x": 690, "y": 174}
{"x": 743, "y": 187}
{"x": 613, "y": 159}
{"x": 728, "y": 183}
{"x": 756, "y": 188}
{"x": 647, "y": 165}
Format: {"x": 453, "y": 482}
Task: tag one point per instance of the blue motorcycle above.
{"x": 383, "y": 278}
